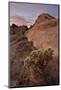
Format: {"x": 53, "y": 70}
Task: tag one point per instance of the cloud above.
{"x": 18, "y": 20}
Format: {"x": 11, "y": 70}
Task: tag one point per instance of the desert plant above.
{"x": 40, "y": 57}
{"x": 38, "y": 60}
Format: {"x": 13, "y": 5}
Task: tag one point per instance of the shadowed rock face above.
{"x": 20, "y": 48}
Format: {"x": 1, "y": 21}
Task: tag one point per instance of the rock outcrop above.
{"x": 44, "y": 32}
{"x": 20, "y": 48}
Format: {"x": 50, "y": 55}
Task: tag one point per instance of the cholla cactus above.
{"x": 39, "y": 58}
{"x": 36, "y": 64}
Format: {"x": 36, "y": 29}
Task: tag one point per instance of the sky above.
{"x": 27, "y": 13}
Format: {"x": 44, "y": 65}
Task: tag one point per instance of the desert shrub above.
{"x": 38, "y": 61}
{"x": 40, "y": 58}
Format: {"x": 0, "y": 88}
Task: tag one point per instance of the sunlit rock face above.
{"x": 44, "y": 32}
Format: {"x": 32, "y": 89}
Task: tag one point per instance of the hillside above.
{"x": 44, "y": 32}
